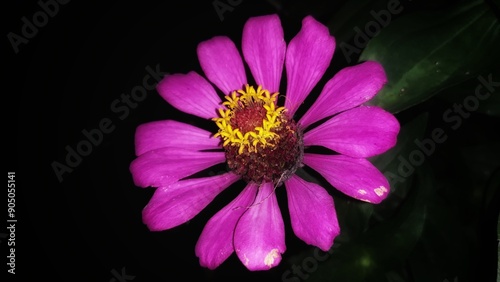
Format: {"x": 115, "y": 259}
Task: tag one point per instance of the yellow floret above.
{"x": 261, "y": 135}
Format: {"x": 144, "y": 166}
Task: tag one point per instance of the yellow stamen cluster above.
{"x": 261, "y": 135}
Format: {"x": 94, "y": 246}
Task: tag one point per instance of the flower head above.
{"x": 262, "y": 144}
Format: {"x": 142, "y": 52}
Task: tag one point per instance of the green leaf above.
{"x": 356, "y": 21}
{"x": 355, "y": 254}
{"x": 396, "y": 166}
{"x": 354, "y": 218}
{"x": 405, "y": 228}
{"x": 383, "y": 247}
{"x": 488, "y": 97}
{"x": 428, "y": 51}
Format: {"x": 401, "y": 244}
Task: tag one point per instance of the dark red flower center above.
{"x": 261, "y": 142}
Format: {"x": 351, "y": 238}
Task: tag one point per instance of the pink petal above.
{"x": 190, "y": 93}
{"x": 264, "y": 49}
{"x": 179, "y": 202}
{"x": 349, "y": 88}
{"x": 354, "y": 177}
{"x": 169, "y": 133}
{"x": 307, "y": 58}
{"x": 165, "y": 166}
{"x": 220, "y": 60}
{"x": 215, "y": 244}
{"x": 259, "y": 238}
{"x": 312, "y": 213}
{"x": 360, "y": 132}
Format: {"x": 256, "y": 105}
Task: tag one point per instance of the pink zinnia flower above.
{"x": 262, "y": 144}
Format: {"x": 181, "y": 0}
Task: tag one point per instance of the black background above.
{"x": 63, "y": 81}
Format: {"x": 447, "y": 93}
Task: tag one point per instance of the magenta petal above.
{"x": 215, "y": 244}
{"x": 190, "y": 93}
{"x": 360, "y": 132}
{"x": 259, "y": 238}
{"x": 312, "y": 213}
{"x": 349, "y": 88}
{"x": 169, "y": 133}
{"x": 179, "y": 202}
{"x": 165, "y": 166}
{"x": 220, "y": 60}
{"x": 307, "y": 58}
{"x": 264, "y": 49}
{"x": 354, "y": 177}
